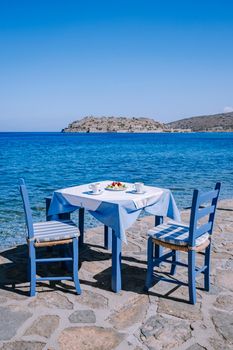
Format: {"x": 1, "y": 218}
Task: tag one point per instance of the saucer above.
{"x": 95, "y": 193}
{"x": 136, "y": 192}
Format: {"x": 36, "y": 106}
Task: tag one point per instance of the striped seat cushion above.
{"x": 50, "y": 231}
{"x": 173, "y": 233}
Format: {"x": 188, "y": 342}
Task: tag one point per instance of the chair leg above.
{"x": 175, "y": 255}
{"x": 207, "y": 270}
{"x": 150, "y": 265}
{"x": 158, "y": 252}
{"x": 32, "y": 258}
{"x": 29, "y": 270}
{"x": 75, "y": 266}
{"x": 66, "y": 251}
{"x": 192, "y": 276}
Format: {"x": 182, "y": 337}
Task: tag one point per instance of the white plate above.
{"x": 116, "y": 189}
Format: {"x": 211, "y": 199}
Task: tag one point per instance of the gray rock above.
{"x": 165, "y": 333}
{"x": 223, "y": 322}
{"x": 82, "y": 316}
{"x": 89, "y": 338}
{"x": 11, "y": 318}
{"x": 44, "y": 326}
{"x": 23, "y": 345}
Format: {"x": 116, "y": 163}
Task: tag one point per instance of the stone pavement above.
{"x": 99, "y": 319}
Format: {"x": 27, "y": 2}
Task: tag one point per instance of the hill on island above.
{"x": 215, "y": 122}
{"x": 114, "y": 124}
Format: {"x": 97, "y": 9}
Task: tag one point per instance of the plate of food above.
{"x": 116, "y": 186}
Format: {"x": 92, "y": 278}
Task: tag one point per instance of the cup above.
{"x": 95, "y": 187}
{"x": 139, "y": 187}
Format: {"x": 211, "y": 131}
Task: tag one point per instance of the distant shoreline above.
{"x": 211, "y": 123}
{"x": 148, "y": 132}
{"x": 104, "y": 132}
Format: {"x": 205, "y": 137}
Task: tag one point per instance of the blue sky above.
{"x": 62, "y": 60}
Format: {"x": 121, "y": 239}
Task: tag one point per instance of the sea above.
{"x": 50, "y": 161}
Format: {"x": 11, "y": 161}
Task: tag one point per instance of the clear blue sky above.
{"x": 62, "y": 60}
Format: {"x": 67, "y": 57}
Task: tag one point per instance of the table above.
{"x": 116, "y": 210}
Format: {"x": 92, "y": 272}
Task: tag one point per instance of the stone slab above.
{"x": 44, "y": 326}
{"x": 51, "y": 300}
{"x": 165, "y": 333}
{"x": 82, "y": 316}
{"x": 92, "y": 299}
{"x": 23, "y": 345}
{"x": 224, "y": 279}
{"x": 181, "y": 310}
{"x": 223, "y": 322}
{"x": 11, "y": 318}
{"x": 225, "y": 302}
{"x": 89, "y": 338}
{"x": 131, "y": 313}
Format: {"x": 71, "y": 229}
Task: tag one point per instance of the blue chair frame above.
{"x": 32, "y": 245}
{"x": 198, "y": 211}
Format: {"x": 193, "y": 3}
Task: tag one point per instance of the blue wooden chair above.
{"x": 192, "y": 238}
{"x": 46, "y": 234}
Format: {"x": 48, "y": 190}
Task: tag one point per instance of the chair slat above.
{"x": 47, "y": 260}
{"x": 46, "y": 231}
{"x": 203, "y": 229}
{"x": 207, "y": 196}
{"x": 200, "y": 269}
{"x": 58, "y": 278}
{"x": 205, "y": 211}
{"x": 170, "y": 280}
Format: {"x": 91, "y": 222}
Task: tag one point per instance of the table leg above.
{"x": 81, "y": 225}
{"x": 107, "y": 237}
{"x": 116, "y": 263}
{"x": 158, "y": 248}
{"x": 47, "y": 203}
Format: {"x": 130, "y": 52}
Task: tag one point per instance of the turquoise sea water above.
{"x": 49, "y": 161}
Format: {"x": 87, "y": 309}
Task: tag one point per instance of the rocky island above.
{"x": 207, "y": 123}
{"x": 115, "y": 124}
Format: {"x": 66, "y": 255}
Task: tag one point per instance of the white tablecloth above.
{"x": 116, "y": 209}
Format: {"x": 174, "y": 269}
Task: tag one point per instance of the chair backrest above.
{"x": 203, "y": 206}
{"x": 27, "y": 208}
